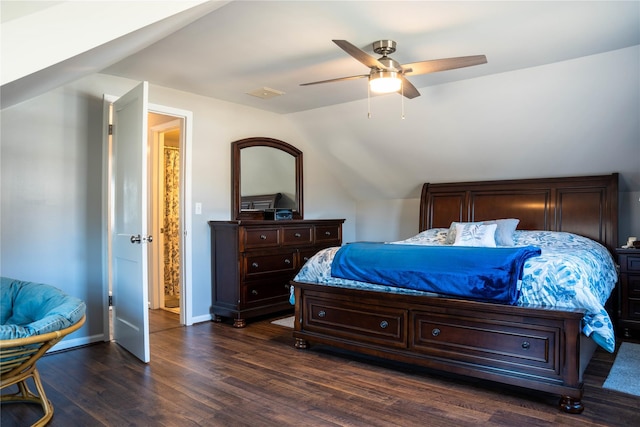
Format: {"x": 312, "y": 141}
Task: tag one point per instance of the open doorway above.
{"x": 165, "y": 257}
{"x": 122, "y": 297}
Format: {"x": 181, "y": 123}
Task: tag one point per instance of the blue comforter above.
{"x": 572, "y": 272}
{"x": 482, "y": 274}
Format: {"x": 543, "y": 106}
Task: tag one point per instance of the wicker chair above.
{"x": 18, "y": 359}
{"x": 35, "y": 317}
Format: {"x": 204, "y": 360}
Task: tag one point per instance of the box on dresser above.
{"x": 629, "y": 290}
{"x": 252, "y": 262}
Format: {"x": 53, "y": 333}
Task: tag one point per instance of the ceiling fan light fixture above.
{"x": 381, "y": 81}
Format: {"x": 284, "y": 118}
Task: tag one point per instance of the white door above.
{"x": 129, "y": 227}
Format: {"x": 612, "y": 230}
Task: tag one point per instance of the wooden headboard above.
{"x": 260, "y": 202}
{"x": 584, "y": 205}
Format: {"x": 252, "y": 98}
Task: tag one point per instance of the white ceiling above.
{"x": 247, "y": 45}
{"x": 241, "y": 46}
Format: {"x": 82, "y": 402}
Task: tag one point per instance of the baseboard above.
{"x": 203, "y": 318}
{"x": 66, "y": 344}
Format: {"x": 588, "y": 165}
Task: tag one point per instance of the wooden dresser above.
{"x": 629, "y": 290}
{"x": 253, "y": 261}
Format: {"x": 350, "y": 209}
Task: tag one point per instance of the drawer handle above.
{"x": 384, "y": 324}
{"x": 287, "y": 286}
{"x": 435, "y": 332}
{"x": 526, "y": 345}
{"x": 327, "y": 233}
{"x": 263, "y": 237}
{"x": 322, "y": 313}
{"x": 254, "y": 265}
{"x": 254, "y": 292}
{"x": 306, "y": 258}
{"x": 287, "y": 261}
{"x": 298, "y": 235}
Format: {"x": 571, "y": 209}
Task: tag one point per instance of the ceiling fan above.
{"x": 387, "y": 75}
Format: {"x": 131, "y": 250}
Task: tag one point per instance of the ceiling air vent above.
{"x": 265, "y": 93}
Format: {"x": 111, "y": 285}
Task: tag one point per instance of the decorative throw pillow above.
{"x": 470, "y": 234}
{"x": 451, "y": 234}
{"x": 504, "y": 231}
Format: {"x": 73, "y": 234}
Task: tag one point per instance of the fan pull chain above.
{"x": 402, "y": 100}
{"x": 368, "y": 101}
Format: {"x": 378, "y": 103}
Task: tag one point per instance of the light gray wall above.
{"x": 578, "y": 117}
{"x": 51, "y": 205}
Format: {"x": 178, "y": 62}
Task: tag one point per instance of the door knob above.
{"x": 139, "y": 239}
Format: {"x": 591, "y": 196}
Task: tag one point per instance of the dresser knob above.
{"x": 526, "y": 345}
{"x": 263, "y": 237}
{"x": 327, "y": 233}
{"x": 384, "y": 324}
{"x": 305, "y": 258}
{"x": 287, "y": 286}
{"x": 254, "y": 292}
{"x": 287, "y": 261}
{"x": 298, "y": 235}
{"x": 254, "y": 265}
{"x": 322, "y": 313}
{"x": 435, "y": 332}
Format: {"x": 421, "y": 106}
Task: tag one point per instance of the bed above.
{"x": 531, "y": 344}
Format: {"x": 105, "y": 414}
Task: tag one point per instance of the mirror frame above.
{"x": 236, "y": 173}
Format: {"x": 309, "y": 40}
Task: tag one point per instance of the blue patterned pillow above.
{"x": 477, "y": 234}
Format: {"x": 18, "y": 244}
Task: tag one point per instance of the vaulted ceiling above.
{"x": 226, "y": 49}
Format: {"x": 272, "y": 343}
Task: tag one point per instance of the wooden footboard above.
{"x": 528, "y": 347}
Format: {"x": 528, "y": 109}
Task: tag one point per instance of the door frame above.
{"x": 156, "y": 179}
{"x": 186, "y": 309}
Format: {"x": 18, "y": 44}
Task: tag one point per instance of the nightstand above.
{"x": 629, "y": 290}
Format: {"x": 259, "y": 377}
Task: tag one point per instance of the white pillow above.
{"x": 474, "y": 234}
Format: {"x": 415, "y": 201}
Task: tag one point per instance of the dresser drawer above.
{"x": 306, "y": 254}
{"x": 633, "y": 285}
{"x": 257, "y": 265}
{"x": 261, "y": 237}
{"x": 633, "y": 306}
{"x": 327, "y": 234}
{"x": 530, "y": 347}
{"x": 297, "y": 235}
{"x": 371, "y": 324}
{"x": 260, "y": 292}
{"x": 633, "y": 263}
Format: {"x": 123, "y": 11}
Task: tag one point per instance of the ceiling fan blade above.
{"x": 339, "y": 79}
{"x": 435, "y": 65}
{"x": 408, "y": 89}
{"x": 360, "y": 55}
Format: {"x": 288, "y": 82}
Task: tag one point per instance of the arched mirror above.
{"x": 266, "y": 174}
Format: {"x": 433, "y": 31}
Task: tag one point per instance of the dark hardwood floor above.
{"x": 212, "y": 374}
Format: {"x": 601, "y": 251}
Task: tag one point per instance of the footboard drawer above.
{"x": 341, "y": 319}
{"x": 498, "y": 343}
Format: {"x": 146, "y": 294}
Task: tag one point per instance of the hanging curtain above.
{"x": 172, "y": 221}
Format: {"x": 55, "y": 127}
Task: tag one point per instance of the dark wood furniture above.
{"x": 240, "y": 212}
{"x": 629, "y": 290}
{"x": 529, "y": 347}
{"x": 260, "y": 202}
{"x": 253, "y": 262}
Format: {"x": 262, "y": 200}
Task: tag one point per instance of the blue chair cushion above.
{"x": 28, "y": 308}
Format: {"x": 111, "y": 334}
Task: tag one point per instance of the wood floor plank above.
{"x": 212, "y": 374}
